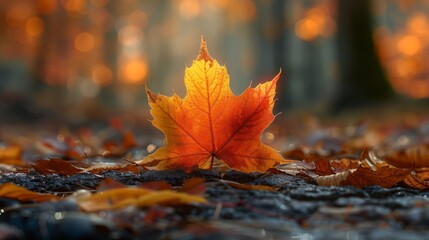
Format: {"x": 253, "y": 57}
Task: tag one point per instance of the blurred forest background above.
{"x": 83, "y": 58}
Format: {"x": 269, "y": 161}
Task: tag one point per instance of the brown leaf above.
{"x": 384, "y": 177}
{"x": 300, "y": 168}
{"x": 10, "y": 190}
{"x": 418, "y": 180}
{"x": 101, "y": 167}
{"x": 109, "y": 183}
{"x": 344, "y": 164}
{"x": 194, "y": 186}
{"x": 248, "y": 186}
{"x": 414, "y": 157}
{"x": 54, "y": 165}
{"x": 140, "y": 197}
{"x": 323, "y": 167}
{"x": 334, "y": 179}
{"x": 129, "y": 140}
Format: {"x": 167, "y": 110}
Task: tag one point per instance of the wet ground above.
{"x": 296, "y": 209}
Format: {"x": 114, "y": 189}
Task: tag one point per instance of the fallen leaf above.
{"x": 64, "y": 147}
{"x": 248, "y": 186}
{"x": 418, "y": 179}
{"x": 323, "y": 167}
{"x": 109, "y": 183}
{"x": 102, "y": 167}
{"x": 385, "y": 176}
{"x": 140, "y": 197}
{"x": 211, "y": 122}
{"x": 414, "y": 157}
{"x": 195, "y": 185}
{"x": 300, "y": 168}
{"x": 344, "y": 164}
{"x": 11, "y": 155}
{"x": 334, "y": 179}
{"x": 10, "y": 190}
{"x": 54, "y": 165}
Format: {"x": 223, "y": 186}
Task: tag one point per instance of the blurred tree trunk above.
{"x": 362, "y": 81}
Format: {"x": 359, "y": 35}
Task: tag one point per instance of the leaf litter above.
{"x": 323, "y": 176}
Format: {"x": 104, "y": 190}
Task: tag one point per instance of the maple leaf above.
{"x": 210, "y": 122}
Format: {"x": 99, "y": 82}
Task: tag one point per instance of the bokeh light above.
{"x": 46, "y": 6}
{"x": 316, "y": 23}
{"x": 409, "y": 45}
{"x": 84, "y": 42}
{"x": 101, "y": 75}
{"x": 133, "y": 71}
{"x": 34, "y": 26}
{"x": 403, "y": 53}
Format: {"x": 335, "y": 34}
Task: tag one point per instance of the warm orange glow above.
{"x": 220, "y": 3}
{"x": 307, "y": 29}
{"x": 403, "y": 54}
{"x": 138, "y": 19}
{"x": 74, "y": 5}
{"x": 34, "y": 26}
{"x": 84, "y": 42}
{"x": 409, "y": 45}
{"x": 406, "y": 67}
{"x": 130, "y": 35}
{"x": 418, "y": 24}
{"x": 99, "y": 3}
{"x": 419, "y": 89}
{"x": 243, "y": 10}
{"x": 317, "y": 15}
{"x": 190, "y": 8}
{"x": 133, "y": 71}
{"x": 101, "y": 75}
{"x": 316, "y": 23}
{"x": 46, "y": 6}
{"x": 18, "y": 14}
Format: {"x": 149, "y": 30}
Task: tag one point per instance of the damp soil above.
{"x": 298, "y": 209}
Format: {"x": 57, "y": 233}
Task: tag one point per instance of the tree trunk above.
{"x": 362, "y": 81}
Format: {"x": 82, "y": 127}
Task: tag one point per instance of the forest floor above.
{"x": 271, "y": 205}
{"x": 296, "y": 209}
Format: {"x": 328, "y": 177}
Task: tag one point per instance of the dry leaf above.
{"x": 301, "y": 169}
{"x": 109, "y": 183}
{"x": 211, "y": 122}
{"x": 140, "y": 197}
{"x": 54, "y": 165}
{"x": 248, "y": 186}
{"x": 344, "y": 164}
{"x": 414, "y": 157}
{"x": 195, "y": 185}
{"x": 323, "y": 167}
{"x": 10, "y": 190}
{"x": 418, "y": 179}
{"x": 11, "y": 155}
{"x": 102, "y": 167}
{"x": 384, "y": 177}
{"x": 334, "y": 179}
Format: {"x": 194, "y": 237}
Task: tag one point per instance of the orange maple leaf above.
{"x": 212, "y": 123}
